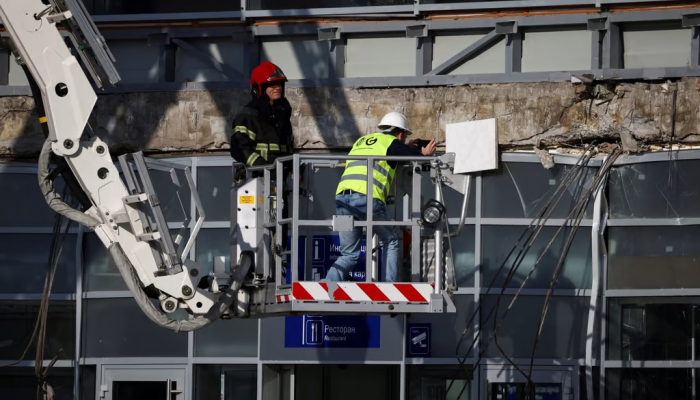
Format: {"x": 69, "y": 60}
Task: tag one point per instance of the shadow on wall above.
{"x": 323, "y": 112}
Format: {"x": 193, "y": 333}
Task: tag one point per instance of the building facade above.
{"x": 621, "y": 322}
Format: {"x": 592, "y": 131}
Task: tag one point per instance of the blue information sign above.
{"x": 418, "y": 340}
{"x": 342, "y": 331}
{"x": 324, "y": 251}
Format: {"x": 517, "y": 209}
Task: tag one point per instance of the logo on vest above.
{"x": 371, "y": 141}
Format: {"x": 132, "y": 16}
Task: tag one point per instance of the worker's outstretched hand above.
{"x": 429, "y": 150}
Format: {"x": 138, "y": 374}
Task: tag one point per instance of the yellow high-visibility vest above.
{"x": 355, "y": 175}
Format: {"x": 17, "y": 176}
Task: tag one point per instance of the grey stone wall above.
{"x": 541, "y": 114}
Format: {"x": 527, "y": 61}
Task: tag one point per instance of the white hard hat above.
{"x": 394, "y": 120}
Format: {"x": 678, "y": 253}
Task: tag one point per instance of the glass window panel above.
{"x": 282, "y": 5}
{"x": 556, "y": 51}
{"x": 174, "y": 198}
{"x": 563, "y": 334}
{"x": 24, "y": 259}
{"x": 641, "y": 331}
{"x": 656, "y": 46}
{"x": 214, "y": 189}
{"x": 521, "y": 190}
{"x": 101, "y": 274}
{"x": 299, "y": 59}
{"x": 655, "y": 190}
{"x": 491, "y": 61}
{"x": 398, "y": 58}
{"x": 450, "y": 327}
{"x": 435, "y": 379}
{"x": 118, "y": 328}
{"x": 540, "y": 391}
{"x": 499, "y": 241}
{"x": 18, "y": 318}
{"x": 212, "y": 243}
{"x": 24, "y": 198}
{"x": 463, "y": 252}
{"x": 88, "y": 382}
{"x": 216, "y": 340}
{"x": 339, "y": 382}
{"x": 226, "y": 382}
{"x": 16, "y": 77}
{"x": 452, "y": 199}
{"x": 648, "y": 384}
{"x": 102, "y": 7}
{"x": 653, "y": 257}
{"x": 191, "y": 68}
{"x": 21, "y": 383}
{"x": 136, "y": 61}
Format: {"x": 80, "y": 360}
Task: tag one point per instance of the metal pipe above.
{"x": 370, "y": 219}
{"x": 438, "y": 235}
{"x": 465, "y": 204}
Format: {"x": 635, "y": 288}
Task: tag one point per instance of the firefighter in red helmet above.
{"x": 262, "y": 130}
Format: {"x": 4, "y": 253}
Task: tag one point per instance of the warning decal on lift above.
{"x": 246, "y": 199}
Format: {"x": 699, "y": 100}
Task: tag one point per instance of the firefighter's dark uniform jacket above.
{"x": 262, "y": 132}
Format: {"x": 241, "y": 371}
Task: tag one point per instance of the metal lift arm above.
{"x": 119, "y": 216}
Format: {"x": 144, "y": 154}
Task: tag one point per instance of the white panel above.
{"x": 136, "y": 61}
{"x": 191, "y": 68}
{"x": 17, "y": 76}
{"x": 657, "y": 48}
{"x": 377, "y": 57}
{"x": 475, "y": 144}
{"x": 557, "y": 51}
{"x": 301, "y": 59}
{"x": 491, "y": 61}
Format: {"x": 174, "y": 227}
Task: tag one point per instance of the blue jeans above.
{"x": 350, "y": 241}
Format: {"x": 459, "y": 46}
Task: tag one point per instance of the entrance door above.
{"x": 143, "y": 382}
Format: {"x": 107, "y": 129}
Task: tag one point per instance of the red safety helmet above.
{"x": 263, "y": 75}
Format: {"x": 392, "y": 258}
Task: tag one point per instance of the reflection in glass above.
{"x": 214, "y": 188}
{"x": 226, "y": 382}
{"x": 212, "y": 243}
{"x": 655, "y": 190}
{"x": 107, "y": 7}
{"x": 24, "y": 259}
{"x": 648, "y": 384}
{"x": 563, "y": 334}
{"x": 174, "y": 198}
{"x": 23, "y": 196}
{"x": 217, "y": 340}
{"x": 101, "y": 274}
{"x": 19, "y": 383}
{"x": 498, "y": 241}
{"x": 18, "y": 318}
{"x": 300, "y": 4}
{"x": 639, "y": 331}
{"x": 118, "y": 328}
{"x": 653, "y": 257}
{"x": 435, "y": 379}
{"x": 521, "y": 190}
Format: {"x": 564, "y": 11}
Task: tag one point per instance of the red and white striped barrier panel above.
{"x": 284, "y": 299}
{"x": 364, "y": 291}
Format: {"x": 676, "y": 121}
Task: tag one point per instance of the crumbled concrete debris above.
{"x": 638, "y": 115}
{"x": 545, "y": 158}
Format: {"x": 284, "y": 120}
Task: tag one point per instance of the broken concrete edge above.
{"x": 637, "y": 115}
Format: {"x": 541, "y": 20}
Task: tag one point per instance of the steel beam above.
{"x": 424, "y": 55}
{"x": 477, "y": 47}
{"x": 514, "y": 52}
{"x": 5, "y": 59}
{"x": 695, "y": 48}
{"x": 337, "y": 58}
{"x": 207, "y": 58}
{"x": 612, "y": 47}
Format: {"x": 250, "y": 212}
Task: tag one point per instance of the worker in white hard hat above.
{"x": 352, "y": 191}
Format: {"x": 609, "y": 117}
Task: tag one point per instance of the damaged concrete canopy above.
{"x": 529, "y": 114}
